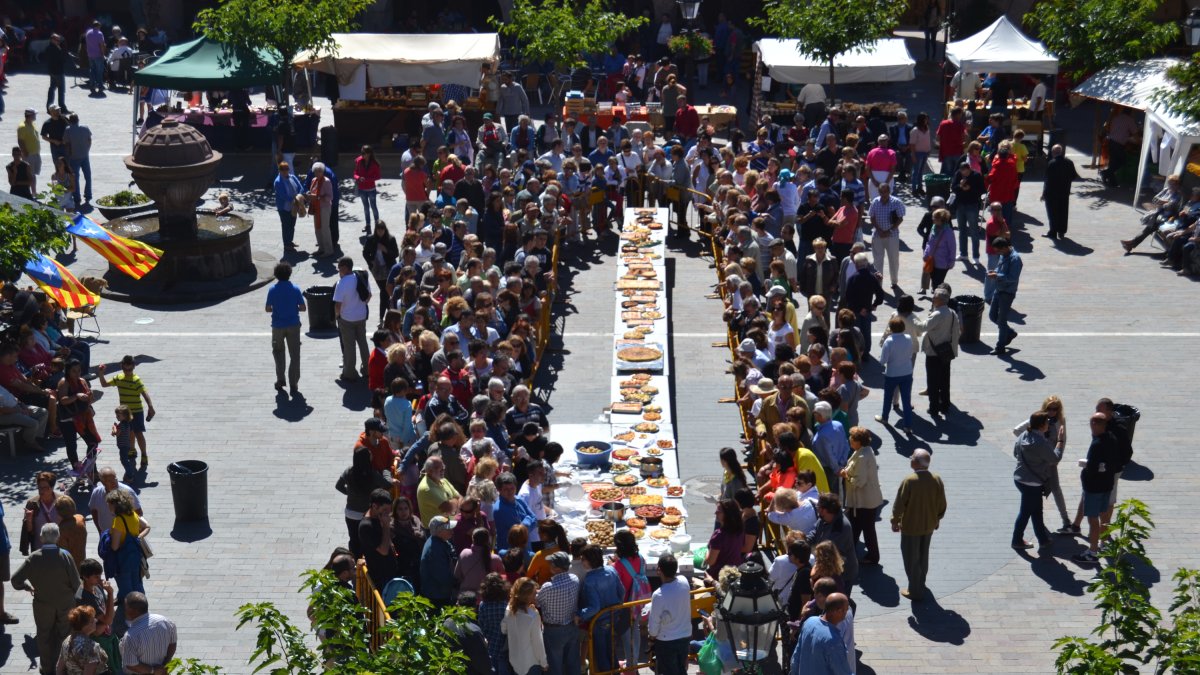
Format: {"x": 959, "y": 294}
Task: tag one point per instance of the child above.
{"x": 478, "y": 431}
{"x": 131, "y": 392}
{"x": 398, "y": 411}
{"x": 225, "y": 208}
{"x": 122, "y": 430}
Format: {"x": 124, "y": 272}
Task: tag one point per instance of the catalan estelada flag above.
{"x": 128, "y": 255}
{"x": 58, "y": 282}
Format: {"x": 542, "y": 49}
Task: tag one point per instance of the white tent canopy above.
{"x": 1129, "y": 84}
{"x": 1001, "y": 48}
{"x": 885, "y": 60}
{"x": 389, "y": 60}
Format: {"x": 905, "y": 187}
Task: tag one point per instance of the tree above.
{"x": 1090, "y": 35}
{"x": 1183, "y": 96}
{"x": 1131, "y": 633}
{"x": 564, "y": 32}
{"x": 286, "y": 28}
{"x": 414, "y": 634}
{"x": 28, "y": 231}
{"x": 827, "y": 28}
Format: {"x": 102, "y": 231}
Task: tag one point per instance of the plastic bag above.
{"x": 698, "y": 555}
{"x": 709, "y": 658}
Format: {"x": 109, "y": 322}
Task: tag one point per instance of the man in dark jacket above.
{"x": 437, "y": 563}
{"x": 1037, "y": 460}
{"x": 56, "y": 62}
{"x": 833, "y": 525}
{"x": 1056, "y": 191}
{"x": 818, "y": 274}
{"x": 863, "y": 295}
{"x": 1098, "y": 476}
{"x": 900, "y": 135}
{"x": 468, "y": 639}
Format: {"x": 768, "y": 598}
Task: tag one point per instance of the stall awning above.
{"x": 1001, "y": 48}
{"x": 204, "y": 64}
{"x": 407, "y": 60}
{"x": 886, "y": 60}
{"x": 1129, "y": 84}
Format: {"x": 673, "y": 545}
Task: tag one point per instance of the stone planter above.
{"x": 114, "y": 212}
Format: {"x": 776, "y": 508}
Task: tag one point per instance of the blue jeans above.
{"x": 1009, "y": 210}
{"x": 96, "y": 72}
{"x": 562, "y": 649}
{"x": 989, "y": 284}
{"x": 904, "y": 382}
{"x": 1031, "y": 509}
{"x": 864, "y": 325}
{"x": 671, "y": 656}
{"x": 602, "y": 644}
{"x": 85, "y": 166}
{"x": 968, "y": 226}
{"x": 1001, "y": 304}
{"x": 950, "y": 164}
{"x": 918, "y": 169}
{"x": 369, "y": 205}
{"x": 288, "y": 222}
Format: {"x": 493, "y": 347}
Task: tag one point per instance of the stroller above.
{"x": 87, "y": 476}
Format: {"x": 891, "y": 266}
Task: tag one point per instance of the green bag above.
{"x": 698, "y": 555}
{"x": 708, "y": 658}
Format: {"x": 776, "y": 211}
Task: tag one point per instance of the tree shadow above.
{"x": 1137, "y": 472}
{"x": 1027, "y": 371}
{"x": 292, "y": 409}
{"x": 938, "y": 624}
{"x": 879, "y": 586}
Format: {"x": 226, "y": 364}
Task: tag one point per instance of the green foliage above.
{"x": 563, "y": 32}
{"x": 123, "y": 198}
{"x": 826, "y": 28}
{"x": 1090, "y": 35}
{"x": 1131, "y": 633}
{"x": 1183, "y": 96}
{"x": 415, "y": 634}
{"x": 287, "y": 27}
{"x": 26, "y": 232}
{"x": 691, "y": 44}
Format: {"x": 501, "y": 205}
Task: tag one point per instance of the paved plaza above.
{"x": 1088, "y": 319}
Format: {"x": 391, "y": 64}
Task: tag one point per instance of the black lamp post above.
{"x": 1191, "y": 28}
{"x": 749, "y": 617}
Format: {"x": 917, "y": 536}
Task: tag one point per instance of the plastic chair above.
{"x": 533, "y": 84}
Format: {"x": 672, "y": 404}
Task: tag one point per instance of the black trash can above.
{"x": 936, "y": 185}
{"x": 189, "y": 489}
{"x": 970, "y": 310}
{"x": 329, "y": 147}
{"x": 320, "y": 308}
{"x": 1128, "y": 416}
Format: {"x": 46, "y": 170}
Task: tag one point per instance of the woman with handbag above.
{"x": 127, "y": 537}
{"x": 381, "y": 252}
{"x": 1037, "y": 461}
{"x": 76, "y": 419}
{"x": 939, "y": 252}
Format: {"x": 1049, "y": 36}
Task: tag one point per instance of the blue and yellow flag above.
{"x": 128, "y": 255}
{"x": 58, "y": 282}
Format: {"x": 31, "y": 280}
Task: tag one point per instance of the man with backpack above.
{"x": 351, "y": 305}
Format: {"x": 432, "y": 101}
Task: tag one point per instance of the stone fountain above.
{"x": 174, "y": 165}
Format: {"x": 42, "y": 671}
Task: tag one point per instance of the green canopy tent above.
{"x": 204, "y": 64}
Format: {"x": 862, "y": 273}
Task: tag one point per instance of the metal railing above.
{"x": 369, "y": 598}
{"x": 702, "y": 599}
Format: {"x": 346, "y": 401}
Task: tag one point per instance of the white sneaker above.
{"x": 976, "y": 260}
{"x": 962, "y": 258}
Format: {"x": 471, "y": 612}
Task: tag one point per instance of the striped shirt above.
{"x": 129, "y": 388}
{"x": 149, "y": 639}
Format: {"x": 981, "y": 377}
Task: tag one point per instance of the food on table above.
{"x": 646, "y": 427}
{"x": 656, "y": 225}
{"x": 619, "y": 467}
{"x": 639, "y": 354}
{"x": 589, "y": 450}
{"x": 627, "y": 408}
{"x": 654, "y": 452}
{"x": 652, "y": 314}
{"x": 671, "y": 521}
{"x": 635, "y": 396}
{"x": 623, "y": 437}
{"x": 662, "y": 533}
{"x": 635, "y": 462}
{"x": 649, "y": 389}
{"x": 673, "y": 511}
{"x": 665, "y": 443}
{"x": 652, "y": 408}
{"x": 601, "y": 532}
{"x": 638, "y": 532}
{"x": 635, "y": 523}
{"x": 633, "y": 335}
{"x": 626, "y": 479}
{"x": 606, "y": 495}
{"x": 638, "y": 284}
{"x": 634, "y": 490}
{"x": 649, "y": 512}
{"x": 624, "y": 453}
{"x": 652, "y": 417}
{"x": 641, "y": 377}
{"x": 647, "y": 500}
{"x": 657, "y": 482}
{"x": 675, "y": 491}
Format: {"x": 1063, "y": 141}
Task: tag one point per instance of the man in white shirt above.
{"x": 102, "y": 516}
{"x": 531, "y": 491}
{"x": 811, "y": 100}
{"x": 30, "y": 419}
{"x": 796, "y": 509}
{"x": 670, "y": 618}
{"x": 554, "y": 156}
{"x": 1037, "y": 100}
{"x": 351, "y": 310}
{"x": 966, "y": 85}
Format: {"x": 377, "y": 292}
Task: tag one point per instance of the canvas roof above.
{"x": 395, "y": 60}
{"x": 886, "y": 60}
{"x": 205, "y": 64}
{"x": 1001, "y": 48}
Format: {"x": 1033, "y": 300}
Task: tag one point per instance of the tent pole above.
{"x": 1096, "y": 137}
{"x": 1141, "y": 175}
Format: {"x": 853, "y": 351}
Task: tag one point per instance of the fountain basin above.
{"x": 219, "y": 250}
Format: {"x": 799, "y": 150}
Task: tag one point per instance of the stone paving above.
{"x": 1087, "y": 315}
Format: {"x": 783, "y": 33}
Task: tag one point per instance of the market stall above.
{"x": 203, "y": 65}
{"x": 1003, "y": 48}
{"x": 387, "y": 81}
{"x": 785, "y": 61}
{"x": 584, "y": 110}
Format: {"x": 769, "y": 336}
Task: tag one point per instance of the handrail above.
{"x": 702, "y": 599}
{"x": 546, "y": 317}
{"x": 369, "y": 598}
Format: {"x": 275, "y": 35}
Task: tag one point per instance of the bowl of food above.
{"x": 601, "y": 496}
{"x": 613, "y": 512}
{"x": 651, "y": 467}
{"x": 593, "y": 453}
{"x": 651, "y": 514}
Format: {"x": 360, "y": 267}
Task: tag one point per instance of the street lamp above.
{"x": 1191, "y": 28}
{"x": 689, "y": 8}
{"x": 749, "y": 617}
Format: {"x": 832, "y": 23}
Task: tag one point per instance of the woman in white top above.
{"x": 897, "y": 361}
{"x": 905, "y": 307}
{"x": 523, "y": 626}
{"x": 780, "y": 331}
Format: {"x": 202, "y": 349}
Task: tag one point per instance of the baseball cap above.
{"x": 487, "y": 116}
{"x": 747, "y": 346}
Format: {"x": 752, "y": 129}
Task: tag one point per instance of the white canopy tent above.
{"x": 389, "y": 60}
{"x": 1001, "y": 48}
{"x": 1165, "y": 137}
{"x": 886, "y": 60}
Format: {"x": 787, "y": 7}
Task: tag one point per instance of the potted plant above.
{"x": 123, "y": 203}
{"x": 691, "y": 43}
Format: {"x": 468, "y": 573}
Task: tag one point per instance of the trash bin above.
{"x": 936, "y": 185}
{"x": 1128, "y": 416}
{"x": 320, "y": 308}
{"x": 970, "y": 310}
{"x": 329, "y": 147}
{"x": 189, "y": 489}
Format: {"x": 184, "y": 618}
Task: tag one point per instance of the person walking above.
{"x": 897, "y": 359}
{"x": 55, "y": 58}
{"x": 351, "y": 305}
{"x": 93, "y": 42}
{"x": 863, "y": 494}
{"x": 887, "y": 213}
{"x": 917, "y": 511}
{"x": 284, "y": 304}
{"x": 366, "y": 172}
{"x": 30, "y": 143}
{"x": 50, "y": 576}
{"x": 939, "y": 342}
{"x": 1037, "y": 469}
{"x": 968, "y": 190}
{"x": 287, "y": 186}
{"x": 77, "y": 140}
{"x": 130, "y": 391}
{"x": 522, "y": 626}
{"x": 1007, "y": 276}
{"x": 1056, "y": 191}
{"x": 558, "y": 600}
{"x": 669, "y": 618}
{"x": 939, "y": 252}
{"x": 821, "y": 649}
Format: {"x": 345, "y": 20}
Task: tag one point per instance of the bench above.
{"x": 10, "y": 433}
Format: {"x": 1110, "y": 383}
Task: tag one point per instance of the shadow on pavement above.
{"x": 1069, "y": 247}
{"x": 188, "y": 532}
{"x": 1058, "y": 577}
{"x": 938, "y": 624}
{"x": 1027, "y": 371}
{"x": 879, "y": 586}
{"x": 291, "y": 409}
{"x": 1137, "y": 472}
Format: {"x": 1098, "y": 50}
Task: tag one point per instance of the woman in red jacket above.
{"x": 1003, "y": 181}
{"x": 366, "y": 172}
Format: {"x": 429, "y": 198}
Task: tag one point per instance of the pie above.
{"x": 624, "y": 454}
{"x": 675, "y": 491}
{"x": 648, "y": 500}
{"x": 606, "y": 495}
{"x": 662, "y": 533}
{"x": 655, "y": 225}
{"x": 633, "y": 335}
{"x": 646, "y": 427}
{"x": 672, "y": 511}
{"x": 657, "y": 482}
{"x": 622, "y": 467}
{"x": 652, "y": 314}
{"x": 649, "y": 389}
{"x": 671, "y": 521}
{"x": 666, "y": 443}
{"x": 652, "y": 416}
{"x": 639, "y": 354}
{"x": 637, "y": 532}
{"x": 626, "y": 436}
{"x": 631, "y": 490}
{"x": 641, "y": 377}
{"x": 649, "y": 512}
{"x": 626, "y": 479}
{"x": 654, "y": 452}
{"x": 635, "y": 523}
